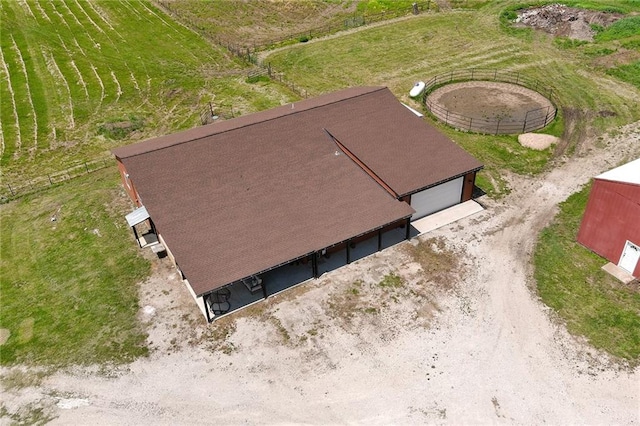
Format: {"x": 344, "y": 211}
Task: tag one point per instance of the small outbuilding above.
{"x": 611, "y": 223}
{"x": 250, "y": 206}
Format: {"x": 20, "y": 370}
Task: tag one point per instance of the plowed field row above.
{"x": 70, "y": 67}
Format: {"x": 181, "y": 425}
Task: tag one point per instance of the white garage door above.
{"x": 437, "y": 198}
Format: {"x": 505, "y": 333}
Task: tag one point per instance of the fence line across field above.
{"x": 534, "y": 119}
{"x": 14, "y": 189}
{"x": 352, "y": 21}
{"x": 250, "y": 55}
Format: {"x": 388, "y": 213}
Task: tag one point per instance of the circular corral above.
{"x": 490, "y": 107}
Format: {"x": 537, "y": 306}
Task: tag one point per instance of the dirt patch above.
{"x": 4, "y": 335}
{"x": 621, "y": 57}
{"x": 561, "y": 20}
{"x": 537, "y": 141}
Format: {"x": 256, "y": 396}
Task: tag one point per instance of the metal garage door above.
{"x": 437, "y": 198}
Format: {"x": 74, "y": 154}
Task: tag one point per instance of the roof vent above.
{"x": 337, "y": 152}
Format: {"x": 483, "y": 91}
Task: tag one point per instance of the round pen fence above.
{"x": 483, "y": 122}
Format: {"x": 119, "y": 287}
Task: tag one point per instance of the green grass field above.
{"x": 68, "y": 286}
{"x": 71, "y": 71}
{"x": 78, "y": 78}
{"x": 570, "y": 280}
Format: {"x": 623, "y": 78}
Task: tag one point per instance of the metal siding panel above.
{"x": 437, "y": 198}
{"x": 611, "y": 218}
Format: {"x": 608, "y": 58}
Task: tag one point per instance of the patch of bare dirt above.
{"x": 537, "y": 141}
{"x": 621, "y": 57}
{"x": 561, "y": 20}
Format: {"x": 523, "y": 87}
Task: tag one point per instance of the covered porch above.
{"x": 243, "y": 293}
{"x": 144, "y": 230}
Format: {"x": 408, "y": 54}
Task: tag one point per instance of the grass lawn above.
{"x": 591, "y": 302}
{"x": 68, "y": 287}
{"x": 79, "y": 78}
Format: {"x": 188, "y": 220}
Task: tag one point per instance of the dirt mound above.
{"x": 561, "y": 20}
{"x": 537, "y": 141}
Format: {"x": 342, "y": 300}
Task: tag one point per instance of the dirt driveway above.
{"x": 483, "y": 350}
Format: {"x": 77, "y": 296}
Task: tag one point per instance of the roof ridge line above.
{"x": 376, "y": 89}
{"x": 363, "y": 166}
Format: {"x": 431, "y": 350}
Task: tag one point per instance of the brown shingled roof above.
{"x": 405, "y": 152}
{"x": 238, "y": 197}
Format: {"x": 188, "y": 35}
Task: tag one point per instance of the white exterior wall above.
{"x": 199, "y": 300}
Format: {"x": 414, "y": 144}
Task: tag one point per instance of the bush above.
{"x": 120, "y": 129}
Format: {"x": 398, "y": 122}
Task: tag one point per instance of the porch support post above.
{"x": 314, "y": 264}
{"x": 408, "y": 230}
{"x": 379, "y": 239}
{"x": 206, "y": 307}
{"x": 135, "y": 233}
{"x": 264, "y": 289}
{"x": 348, "y": 252}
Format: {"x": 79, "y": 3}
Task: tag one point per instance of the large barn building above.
{"x": 248, "y": 206}
{"x": 610, "y": 226}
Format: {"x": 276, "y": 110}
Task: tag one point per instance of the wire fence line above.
{"x": 247, "y": 51}
{"x": 533, "y": 119}
{"x": 16, "y": 188}
{"x": 249, "y": 54}
{"x": 210, "y": 113}
{"x": 351, "y": 22}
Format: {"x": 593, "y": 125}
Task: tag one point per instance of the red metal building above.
{"x": 611, "y": 223}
